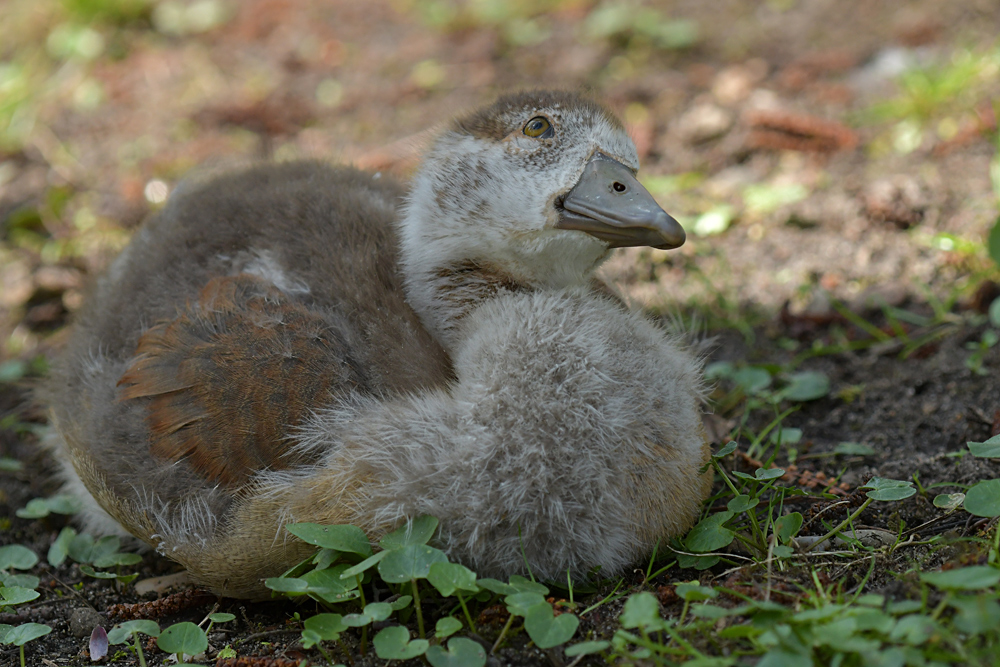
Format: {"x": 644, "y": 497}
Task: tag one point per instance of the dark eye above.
{"x": 539, "y": 127}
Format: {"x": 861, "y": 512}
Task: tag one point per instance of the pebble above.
{"x": 83, "y": 620}
{"x": 703, "y": 122}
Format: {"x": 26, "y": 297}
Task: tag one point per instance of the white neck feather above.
{"x": 462, "y": 241}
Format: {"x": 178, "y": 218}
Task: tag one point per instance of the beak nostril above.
{"x": 619, "y": 187}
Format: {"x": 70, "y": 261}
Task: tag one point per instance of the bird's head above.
{"x": 540, "y": 185}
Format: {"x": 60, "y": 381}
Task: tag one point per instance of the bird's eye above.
{"x": 539, "y": 127}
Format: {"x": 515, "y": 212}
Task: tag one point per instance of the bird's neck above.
{"x": 444, "y": 296}
{"x": 446, "y": 279}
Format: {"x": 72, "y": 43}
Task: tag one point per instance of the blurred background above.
{"x": 825, "y": 156}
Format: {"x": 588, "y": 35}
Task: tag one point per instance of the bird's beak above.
{"x": 610, "y": 204}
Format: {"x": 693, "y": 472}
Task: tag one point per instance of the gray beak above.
{"x": 610, "y": 204}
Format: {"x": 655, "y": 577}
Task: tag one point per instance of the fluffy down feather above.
{"x": 574, "y": 428}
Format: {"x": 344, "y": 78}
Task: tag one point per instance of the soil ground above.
{"x": 823, "y": 182}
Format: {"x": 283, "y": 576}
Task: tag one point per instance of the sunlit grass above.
{"x": 954, "y": 86}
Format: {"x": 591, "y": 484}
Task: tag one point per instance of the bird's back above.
{"x": 250, "y": 300}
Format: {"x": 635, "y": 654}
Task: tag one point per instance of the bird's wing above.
{"x": 226, "y": 380}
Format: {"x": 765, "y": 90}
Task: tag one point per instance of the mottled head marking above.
{"x": 509, "y": 113}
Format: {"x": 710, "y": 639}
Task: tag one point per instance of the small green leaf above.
{"x": 22, "y": 634}
{"x": 742, "y": 503}
{"x": 96, "y": 574}
{"x": 806, "y": 386}
{"x": 379, "y": 611}
{"x": 326, "y": 626}
{"x": 782, "y": 551}
{"x": 18, "y": 557}
{"x": 104, "y": 547}
{"x": 765, "y": 474}
{"x": 349, "y": 539}
{"x": 411, "y": 561}
{"x": 330, "y": 586}
{"x": 400, "y": 603}
{"x": 710, "y": 534}
{"x": 728, "y": 449}
{"x": 461, "y": 652}
{"x": 357, "y": 620}
{"x": 914, "y": 630}
{"x": 414, "y": 533}
{"x": 697, "y": 562}
{"x": 449, "y": 577}
{"x": 287, "y": 584}
{"x": 121, "y": 633}
{"x": 81, "y": 547}
{"x": 393, "y": 643}
{"x": 519, "y": 603}
{"x": 892, "y": 495}
{"x": 783, "y": 657}
{"x": 752, "y": 380}
{"x": 60, "y": 547}
{"x": 949, "y": 501}
{"x": 963, "y": 579}
{"x": 22, "y": 580}
{"x": 524, "y": 585}
{"x": 548, "y": 630}
{"x": 871, "y": 600}
{"x": 364, "y": 565}
{"x": 786, "y": 436}
{"x": 16, "y": 595}
{"x": 496, "y": 586}
{"x": 117, "y": 559}
{"x": 786, "y": 527}
{"x": 983, "y": 499}
{"x": 587, "y": 648}
{"x": 35, "y": 509}
{"x": 692, "y": 591}
{"x": 853, "y": 449}
{"x": 899, "y": 607}
{"x": 976, "y": 615}
{"x": 324, "y": 558}
{"x": 872, "y": 619}
{"x": 184, "y": 637}
{"x": 641, "y": 610}
{"x": 987, "y": 450}
{"x": 710, "y": 611}
{"x": 447, "y": 626}
{"x": 64, "y": 504}
{"x": 889, "y": 489}
{"x": 221, "y": 617}
{"x": 310, "y": 638}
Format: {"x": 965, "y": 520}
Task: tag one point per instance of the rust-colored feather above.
{"x": 228, "y": 377}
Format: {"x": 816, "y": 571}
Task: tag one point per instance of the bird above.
{"x": 300, "y": 342}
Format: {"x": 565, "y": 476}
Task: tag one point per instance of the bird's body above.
{"x": 270, "y": 349}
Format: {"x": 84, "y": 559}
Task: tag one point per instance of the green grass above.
{"x": 953, "y": 86}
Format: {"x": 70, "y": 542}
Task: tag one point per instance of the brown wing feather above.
{"x": 226, "y": 379}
